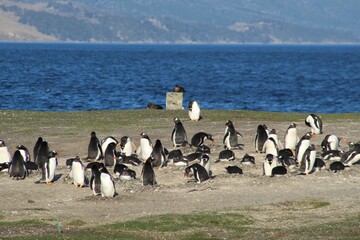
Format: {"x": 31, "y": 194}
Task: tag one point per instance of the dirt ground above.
{"x": 259, "y": 197}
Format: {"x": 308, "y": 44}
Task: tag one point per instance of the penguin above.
{"x": 42, "y": 158}
{"x": 4, "y": 166}
{"x": 158, "y": 155}
{"x": 109, "y": 155}
{"x": 226, "y": 155}
{"x": 337, "y": 166}
{"x": 192, "y": 157}
{"x": 286, "y": 158}
{"x": 151, "y": 105}
{"x": 197, "y": 171}
{"x": 301, "y": 147}
{"x": 319, "y": 164}
{"x": 194, "y": 111}
{"x": 95, "y": 180}
{"x": 314, "y": 122}
{"x": 124, "y": 173}
{"x": 308, "y": 160}
{"x": 5, "y": 156}
{"x": 291, "y": 137}
{"x": 89, "y": 166}
{"x": 203, "y": 149}
{"x": 272, "y": 134}
{"x": 205, "y": 161}
{"x": 198, "y": 139}
{"x": 78, "y": 173}
{"x": 127, "y": 146}
{"x": 268, "y": 165}
{"x": 270, "y": 147}
{"x": 260, "y": 138}
{"x": 176, "y": 156}
{"x": 106, "y": 141}
{"x": 178, "y": 135}
{"x": 50, "y": 167}
{"x": 128, "y": 160}
{"x": 278, "y": 170}
{"x": 230, "y": 139}
{"x": 107, "y": 184}
{"x": 36, "y": 147}
{"x": 352, "y": 158}
{"x": 330, "y": 142}
{"x": 94, "y": 148}
{"x": 17, "y": 168}
{"x": 148, "y": 174}
{"x": 178, "y": 89}
{"x": 25, "y": 152}
{"x": 247, "y": 160}
{"x": 233, "y": 170}
{"x": 333, "y": 155}
{"x": 145, "y": 149}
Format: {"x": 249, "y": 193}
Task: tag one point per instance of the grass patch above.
{"x": 302, "y": 205}
{"x": 76, "y": 223}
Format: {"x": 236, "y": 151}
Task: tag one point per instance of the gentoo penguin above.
{"x": 124, "y": 173}
{"x": 107, "y": 184}
{"x": 77, "y": 172}
{"x": 272, "y": 134}
{"x": 330, "y": 142}
{"x": 95, "y": 181}
{"x": 226, "y": 155}
{"x": 158, "y": 155}
{"x": 230, "y": 139}
{"x": 94, "y": 148}
{"x": 4, "y": 166}
{"x": 199, "y": 138}
{"x": 176, "y": 157}
{"x": 151, "y": 105}
{"x": 36, "y": 147}
{"x": 247, "y": 160}
{"x": 127, "y": 146}
{"x": 109, "y": 155}
{"x": 268, "y": 165}
{"x": 197, "y": 171}
{"x": 43, "y": 156}
{"x": 106, "y": 141}
{"x": 301, "y": 147}
{"x": 148, "y": 174}
{"x": 89, "y": 166}
{"x": 50, "y": 167}
{"x": 314, "y": 122}
{"x": 178, "y": 135}
{"x": 178, "y": 88}
{"x": 145, "y": 149}
{"x": 337, "y": 166}
{"x": 234, "y": 170}
{"x": 291, "y": 137}
{"x": 333, "y": 155}
{"x": 17, "y": 168}
{"x": 128, "y": 160}
{"x": 192, "y": 157}
{"x": 270, "y": 147}
{"x": 261, "y": 137}
{"x": 286, "y": 158}
{"x": 205, "y": 161}
{"x": 352, "y": 158}
{"x": 25, "y": 152}
{"x": 308, "y": 160}
{"x": 194, "y": 111}
{"x": 5, "y": 156}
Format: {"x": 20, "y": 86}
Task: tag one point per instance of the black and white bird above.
{"x": 199, "y": 139}
{"x": 178, "y": 135}
{"x": 145, "y": 148}
{"x": 261, "y": 137}
{"x": 230, "y": 139}
{"x": 291, "y": 137}
{"x": 194, "y": 111}
{"x": 315, "y": 123}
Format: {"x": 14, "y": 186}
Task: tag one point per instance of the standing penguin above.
{"x": 94, "y": 148}
{"x": 106, "y": 141}
{"x": 36, "y": 147}
{"x": 291, "y": 137}
{"x": 314, "y": 122}
{"x": 205, "y": 161}
{"x": 95, "y": 181}
{"x": 17, "y": 168}
{"x": 272, "y": 134}
{"x": 178, "y": 135}
{"x": 107, "y": 184}
{"x": 5, "y": 156}
{"x": 127, "y": 146}
{"x": 330, "y": 142}
{"x": 43, "y": 156}
{"x": 230, "y": 140}
{"x": 158, "y": 155}
{"x": 194, "y": 111}
{"x": 301, "y": 147}
{"x": 77, "y": 172}
{"x": 308, "y": 160}
{"x": 24, "y": 152}
{"x": 109, "y": 156}
{"x": 199, "y": 138}
{"x": 145, "y": 149}
{"x": 50, "y": 167}
{"x": 148, "y": 174}
{"x": 270, "y": 147}
{"x": 261, "y": 137}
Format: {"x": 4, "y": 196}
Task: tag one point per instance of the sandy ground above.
{"x": 259, "y": 197}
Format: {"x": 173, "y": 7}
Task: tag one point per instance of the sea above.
{"x": 85, "y": 77}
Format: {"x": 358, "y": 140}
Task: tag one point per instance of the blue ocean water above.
{"x": 81, "y": 77}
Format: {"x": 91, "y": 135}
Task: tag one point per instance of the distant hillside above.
{"x": 181, "y": 21}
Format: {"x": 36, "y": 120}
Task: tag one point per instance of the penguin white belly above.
{"x": 50, "y": 169}
{"x": 5, "y": 156}
{"x": 278, "y": 143}
{"x": 146, "y": 149}
{"x": 270, "y": 148}
{"x": 311, "y": 164}
{"x": 304, "y": 145}
{"x": 128, "y": 150}
{"x": 194, "y": 114}
{"x": 78, "y": 174}
{"x": 333, "y": 142}
{"x": 107, "y": 185}
{"x": 267, "y": 169}
{"x": 291, "y": 139}
{"x": 227, "y": 142}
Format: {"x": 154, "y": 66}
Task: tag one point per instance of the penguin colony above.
{"x": 111, "y": 161}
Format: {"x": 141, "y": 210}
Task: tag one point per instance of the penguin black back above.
{"x": 178, "y": 135}
{"x": 261, "y": 137}
{"x": 36, "y": 147}
{"x": 148, "y": 174}
{"x": 109, "y": 157}
{"x": 199, "y": 138}
{"x": 17, "y": 167}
